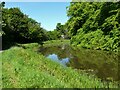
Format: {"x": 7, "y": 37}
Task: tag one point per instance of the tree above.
{"x": 19, "y": 28}
{"x": 94, "y": 25}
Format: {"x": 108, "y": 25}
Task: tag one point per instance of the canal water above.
{"x": 102, "y": 64}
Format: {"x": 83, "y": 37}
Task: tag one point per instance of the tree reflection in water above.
{"x": 101, "y": 63}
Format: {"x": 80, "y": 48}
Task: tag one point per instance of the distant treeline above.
{"x": 17, "y": 27}
{"x": 94, "y": 25}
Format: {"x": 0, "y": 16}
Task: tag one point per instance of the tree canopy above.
{"x": 18, "y": 27}
{"x": 94, "y": 24}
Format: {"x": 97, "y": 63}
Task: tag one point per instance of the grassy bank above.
{"x": 23, "y": 67}
{"x": 55, "y": 42}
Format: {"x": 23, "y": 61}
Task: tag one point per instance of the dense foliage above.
{"x": 60, "y": 32}
{"x": 94, "y": 25}
{"x": 18, "y": 27}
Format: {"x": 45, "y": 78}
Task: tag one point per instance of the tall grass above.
{"x": 25, "y": 68}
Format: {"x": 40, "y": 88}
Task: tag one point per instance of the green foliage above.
{"x": 18, "y": 27}
{"x": 95, "y": 25}
{"x": 55, "y": 43}
{"x": 25, "y": 68}
{"x": 57, "y": 33}
{"x": 53, "y": 35}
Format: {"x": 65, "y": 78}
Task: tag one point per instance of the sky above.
{"x": 46, "y": 13}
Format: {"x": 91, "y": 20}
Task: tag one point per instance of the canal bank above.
{"x": 25, "y": 67}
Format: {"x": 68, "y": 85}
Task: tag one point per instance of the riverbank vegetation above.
{"x": 33, "y": 70}
{"x": 94, "y": 25}
{"x": 55, "y": 43}
{"x": 91, "y": 25}
{"x": 17, "y": 27}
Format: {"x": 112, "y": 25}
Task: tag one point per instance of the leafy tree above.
{"x": 19, "y": 28}
{"x": 94, "y": 25}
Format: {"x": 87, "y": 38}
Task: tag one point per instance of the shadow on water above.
{"x": 96, "y": 62}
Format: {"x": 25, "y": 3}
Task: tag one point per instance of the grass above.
{"x": 55, "y": 42}
{"x": 23, "y": 67}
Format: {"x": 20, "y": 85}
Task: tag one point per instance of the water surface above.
{"x": 100, "y": 63}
